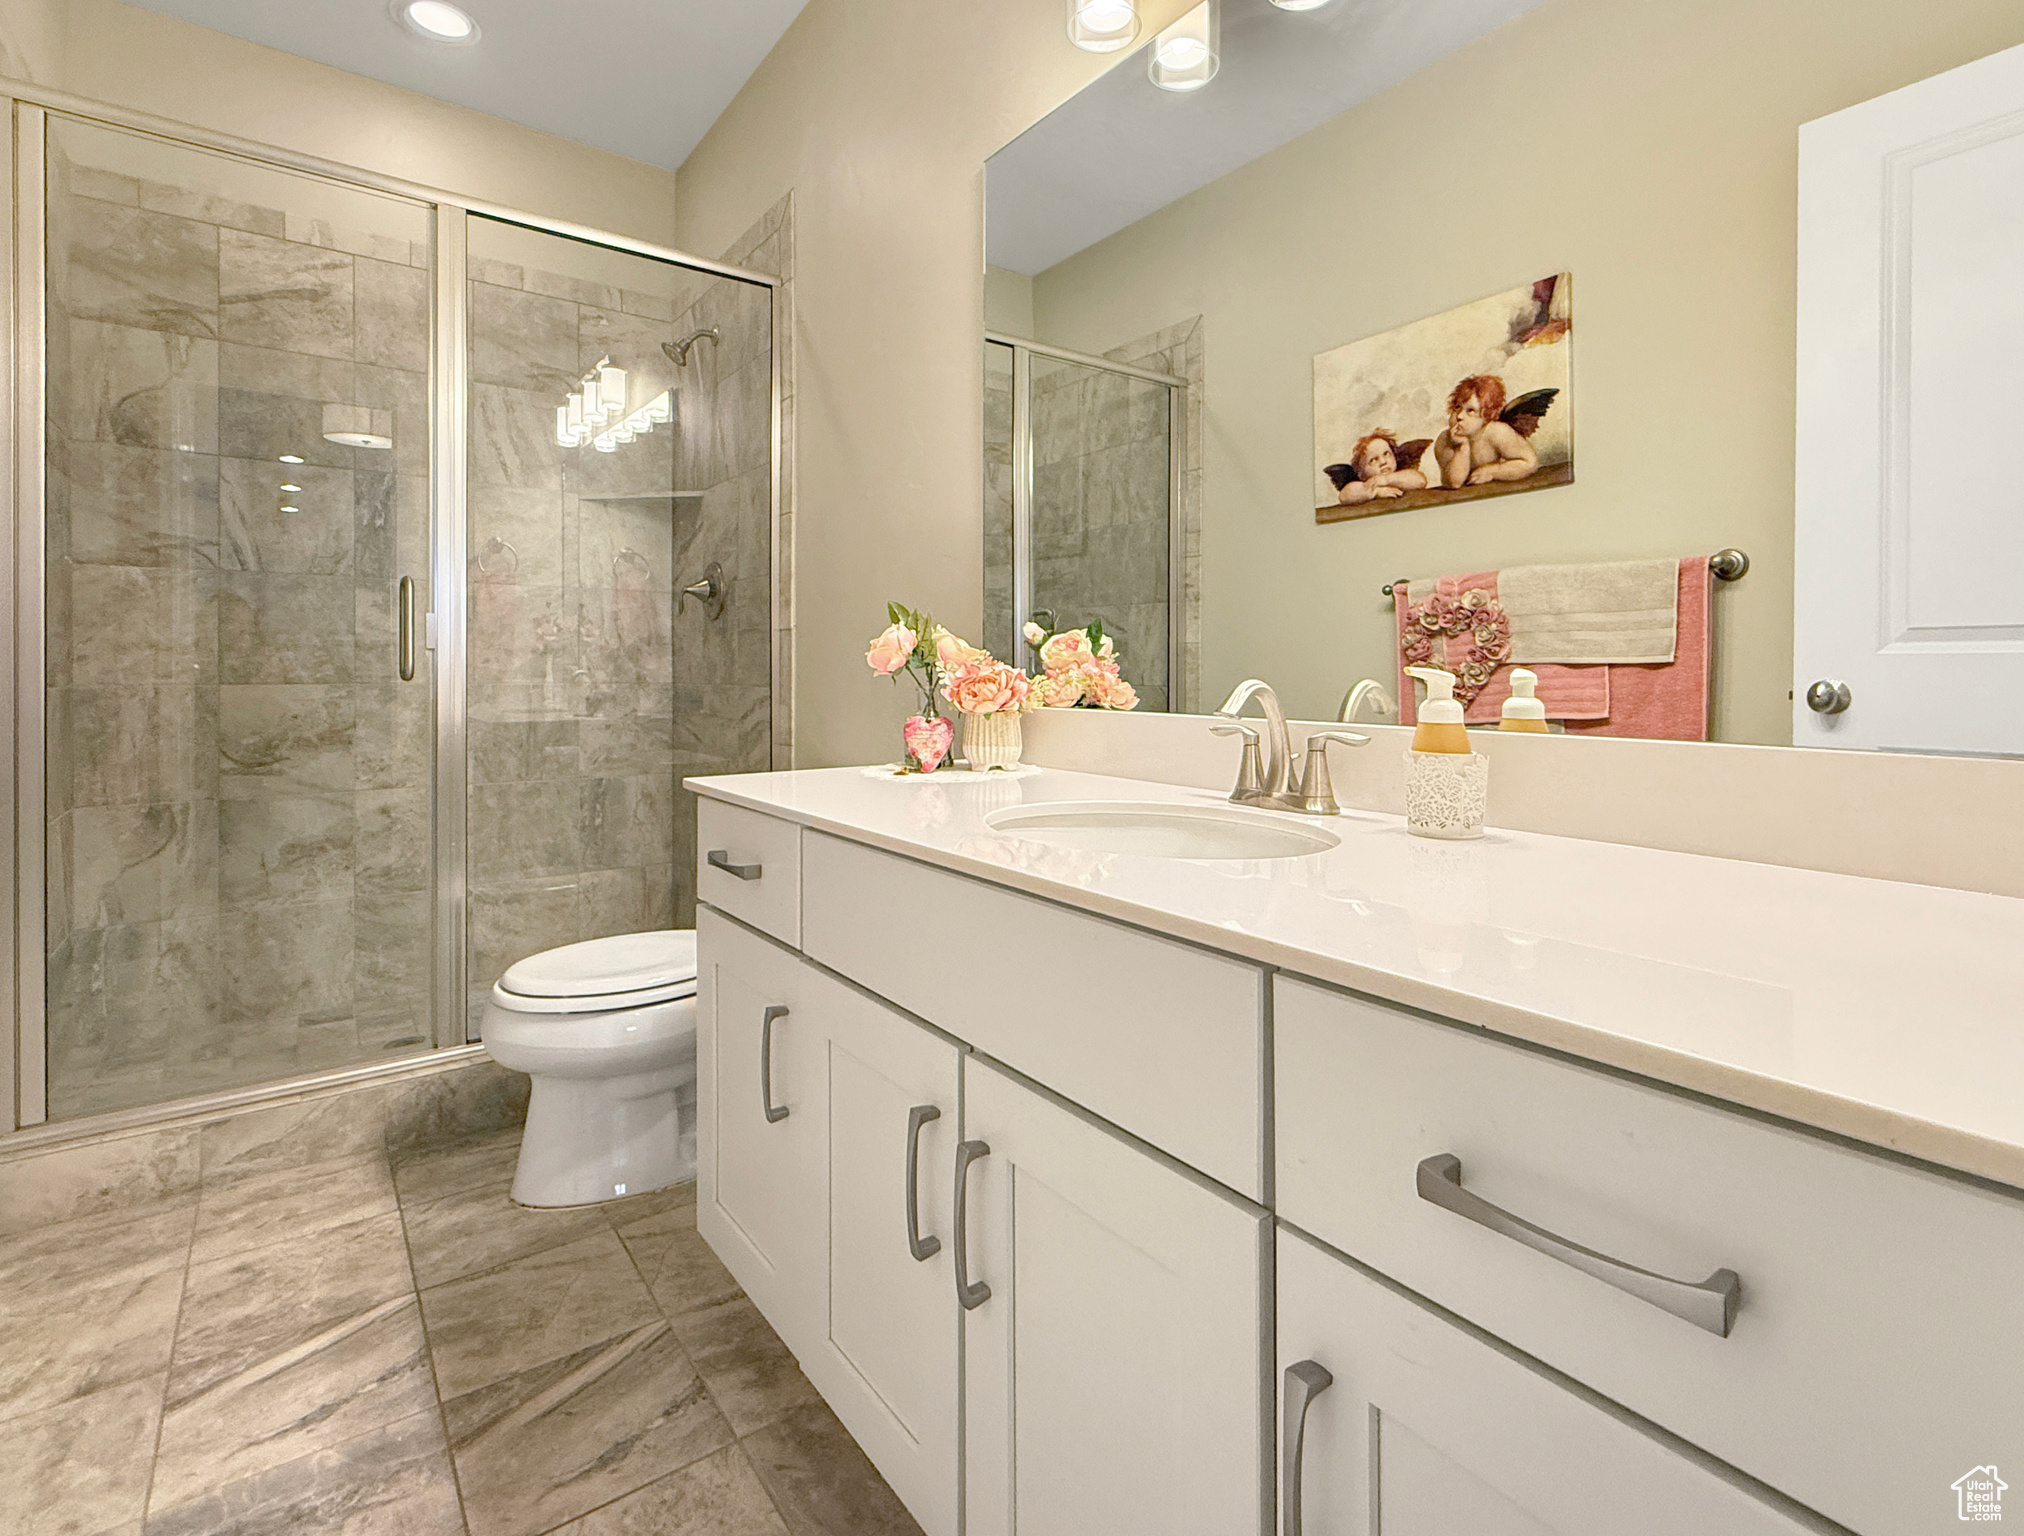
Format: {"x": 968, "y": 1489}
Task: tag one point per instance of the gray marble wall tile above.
{"x": 626, "y": 820}
{"x": 626, "y": 900}
{"x": 537, "y": 1309}
{"x": 142, "y": 506}
{"x": 651, "y": 306}
{"x": 393, "y": 316}
{"x": 360, "y": 237}
{"x": 717, "y": 1496}
{"x": 395, "y": 840}
{"x": 82, "y": 1468}
{"x": 499, "y": 274}
{"x": 275, "y": 628}
{"x": 637, "y": 742}
{"x": 286, "y": 1205}
{"x": 289, "y": 963}
{"x": 135, "y": 625}
{"x": 534, "y": 828}
{"x": 376, "y": 553}
{"x": 274, "y": 293}
{"x": 611, "y": 533}
{"x": 134, "y": 863}
{"x": 577, "y": 290}
{"x": 300, "y": 376}
{"x": 515, "y": 631}
{"x": 350, "y": 1377}
{"x": 144, "y": 743}
{"x": 529, "y": 522}
{"x": 140, "y": 388}
{"x": 122, "y": 1173}
{"x": 511, "y": 919}
{"x": 512, "y": 438}
{"x": 488, "y": 1161}
{"x": 208, "y": 208}
{"x": 256, "y": 535}
{"x": 125, "y": 266}
{"x": 391, "y": 968}
{"x": 256, "y": 425}
{"x": 407, "y": 396}
{"x": 376, "y": 631}
{"x": 287, "y": 1136}
{"x": 285, "y": 848}
{"x": 444, "y": 1107}
{"x": 394, "y": 744}
{"x": 505, "y": 749}
{"x": 87, "y": 180}
{"x": 557, "y": 1441}
{"x": 392, "y": 1481}
{"x": 524, "y": 341}
{"x": 285, "y": 740}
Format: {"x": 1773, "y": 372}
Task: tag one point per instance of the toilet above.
{"x": 607, "y": 1031}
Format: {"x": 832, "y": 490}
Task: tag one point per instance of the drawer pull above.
{"x": 775, "y": 1113}
{"x": 720, "y": 858}
{"x": 1305, "y": 1381}
{"x": 922, "y": 1248}
{"x": 971, "y": 1296}
{"x": 1709, "y": 1304}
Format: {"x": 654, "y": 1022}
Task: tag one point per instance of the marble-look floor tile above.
{"x": 633, "y": 1208}
{"x": 72, "y": 1338}
{"x": 81, "y": 1469}
{"x": 264, "y": 1307}
{"x": 444, "y": 1108}
{"x": 543, "y": 1447}
{"x": 822, "y": 1482}
{"x": 480, "y": 1229}
{"x": 393, "y": 1481}
{"x": 256, "y": 1209}
{"x": 524, "y": 1314}
{"x": 336, "y": 1127}
{"x": 751, "y": 1374}
{"x": 353, "y": 1376}
{"x": 132, "y": 1174}
{"x": 680, "y": 1268}
{"x": 483, "y": 1162}
{"x": 66, "y": 1254}
{"x": 718, "y": 1496}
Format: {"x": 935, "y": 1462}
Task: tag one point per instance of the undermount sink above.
{"x": 1164, "y": 831}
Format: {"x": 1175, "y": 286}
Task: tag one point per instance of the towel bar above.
{"x": 1723, "y": 565}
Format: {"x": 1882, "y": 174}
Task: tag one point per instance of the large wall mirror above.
{"x": 1642, "y": 346}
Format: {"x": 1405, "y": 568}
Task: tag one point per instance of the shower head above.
{"x": 679, "y": 350}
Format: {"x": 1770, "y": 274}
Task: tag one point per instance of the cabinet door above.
{"x": 1116, "y": 1376}
{"x": 1445, "y": 1433}
{"x": 888, "y": 1362}
{"x": 762, "y": 1179}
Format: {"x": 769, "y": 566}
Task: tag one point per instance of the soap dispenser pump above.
{"x": 1447, "y": 781}
{"x": 1523, "y": 711}
{"x": 1440, "y": 726}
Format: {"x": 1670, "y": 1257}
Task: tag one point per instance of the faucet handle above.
{"x": 1250, "y": 770}
{"x": 1317, "y": 792}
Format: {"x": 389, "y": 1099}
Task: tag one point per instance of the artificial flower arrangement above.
{"x": 1079, "y": 669}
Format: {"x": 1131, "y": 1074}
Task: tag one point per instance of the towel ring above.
{"x": 629, "y": 553}
{"x": 494, "y": 547}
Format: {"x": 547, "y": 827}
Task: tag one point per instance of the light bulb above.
{"x": 661, "y": 407}
{"x": 1103, "y": 26}
{"x": 575, "y": 410}
{"x": 611, "y": 386}
{"x": 1184, "y": 56}
{"x": 437, "y": 21}
{"x": 563, "y": 435}
{"x": 1183, "y": 52}
{"x": 1300, "y": 5}
{"x": 291, "y": 458}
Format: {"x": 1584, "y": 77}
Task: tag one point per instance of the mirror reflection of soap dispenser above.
{"x": 1447, "y": 782}
{"x": 1523, "y": 711}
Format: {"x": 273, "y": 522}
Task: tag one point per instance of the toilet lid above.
{"x": 662, "y": 962}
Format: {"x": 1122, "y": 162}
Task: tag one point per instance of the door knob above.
{"x": 1827, "y": 697}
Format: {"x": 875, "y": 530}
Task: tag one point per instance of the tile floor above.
{"x": 387, "y": 1346}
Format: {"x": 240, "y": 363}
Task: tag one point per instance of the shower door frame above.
{"x": 23, "y": 271}
{"x": 1023, "y": 353}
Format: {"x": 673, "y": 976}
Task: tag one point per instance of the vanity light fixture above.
{"x": 436, "y": 20}
{"x": 600, "y": 397}
{"x": 659, "y": 409}
{"x": 1186, "y": 56}
{"x": 291, "y": 458}
{"x": 1300, "y": 5}
{"x": 289, "y": 488}
{"x": 1103, "y": 26}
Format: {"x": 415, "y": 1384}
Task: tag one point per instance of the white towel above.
{"x": 1622, "y": 612}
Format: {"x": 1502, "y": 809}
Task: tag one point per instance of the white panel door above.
{"x": 1414, "y": 1427}
{"x": 1116, "y": 1374}
{"x": 762, "y": 1176}
{"x": 889, "y": 1359}
{"x": 1909, "y": 535}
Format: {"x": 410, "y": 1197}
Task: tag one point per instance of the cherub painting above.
{"x": 1488, "y": 382}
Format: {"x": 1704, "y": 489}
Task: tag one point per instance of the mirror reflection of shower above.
{"x": 678, "y": 351}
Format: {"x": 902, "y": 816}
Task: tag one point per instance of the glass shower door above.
{"x": 238, "y": 778}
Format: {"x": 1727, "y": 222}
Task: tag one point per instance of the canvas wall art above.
{"x": 1471, "y": 403}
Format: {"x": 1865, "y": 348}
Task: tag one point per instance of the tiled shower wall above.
{"x": 238, "y": 791}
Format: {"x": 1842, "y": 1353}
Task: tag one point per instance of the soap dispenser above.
{"x": 1523, "y": 711}
{"x": 1447, "y": 782}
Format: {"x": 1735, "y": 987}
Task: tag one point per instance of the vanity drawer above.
{"x": 1873, "y": 1357}
{"x": 749, "y": 865}
{"x": 1161, "y": 1039}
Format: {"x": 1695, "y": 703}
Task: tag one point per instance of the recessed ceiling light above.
{"x": 291, "y": 458}
{"x": 436, "y": 20}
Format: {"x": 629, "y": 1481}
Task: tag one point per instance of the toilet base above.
{"x": 594, "y": 1139}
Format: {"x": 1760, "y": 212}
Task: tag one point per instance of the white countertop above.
{"x": 1891, "y": 1014}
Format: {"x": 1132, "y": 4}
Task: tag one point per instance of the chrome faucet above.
{"x": 1278, "y": 777}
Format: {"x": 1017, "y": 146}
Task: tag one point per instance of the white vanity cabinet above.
{"x": 1115, "y": 1328}
{"x": 1387, "y": 1405}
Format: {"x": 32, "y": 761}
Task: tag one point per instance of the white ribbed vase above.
{"x": 991, "y": 741}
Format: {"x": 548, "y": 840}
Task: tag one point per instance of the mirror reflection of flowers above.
{"x": 1079, "y": 669}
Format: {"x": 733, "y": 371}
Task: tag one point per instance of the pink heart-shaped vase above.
{"x": 928, "y": 741}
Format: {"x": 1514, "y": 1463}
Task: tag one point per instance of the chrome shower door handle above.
{"x": 720, "y": 858}
{"x": 1305, "y": 1381}
{"x": 971, "y": 1296}
{"x": 922, "y": 1248}
{"x": 775, "y": 1113}
{"x": 407, "y": 607}
{"x": 1709, "y": 1303}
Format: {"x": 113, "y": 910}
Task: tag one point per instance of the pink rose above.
{"x": 988, "y": 688}
{"x": 1034, "y": 634}
{"x": 1115, "y": 693}
{"x": 1067, "y": 649}
{"x": 1057, "y": 690}
{"x": 891, "y": 650}
{"x": 952, "y": 654}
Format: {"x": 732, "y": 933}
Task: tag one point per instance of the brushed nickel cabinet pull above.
{"x": 720, "y": 858}
{"x": 971, "y": 1296}
{"x": 775, "y": 1113}
{"x": 1305, "y": 1381}
{"x": 922, "y": 1248}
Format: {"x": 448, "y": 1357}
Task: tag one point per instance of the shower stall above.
{"x": 1083, "y": 475}
{"x": 382, "y": 561}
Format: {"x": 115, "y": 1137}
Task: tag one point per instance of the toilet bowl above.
{"x": 607, "y": 1031}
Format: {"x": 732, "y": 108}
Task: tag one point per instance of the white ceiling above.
{"x": 1123, "y": 148}
{"x": 643, "y": 78}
